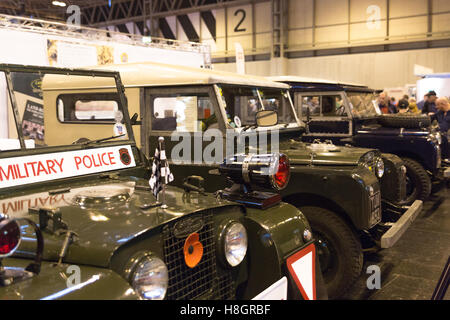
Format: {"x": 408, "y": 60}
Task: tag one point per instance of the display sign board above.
{"x": 240, "y": 26}
{"x": 52, "y": 166}
{"x": 277, "y": 291}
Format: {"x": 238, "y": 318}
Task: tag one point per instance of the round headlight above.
{"x": 150, "y": 278}
{"x": 403, "y": 169}
{"x": 235, "y": 243}
{"x": 379, "y": 168}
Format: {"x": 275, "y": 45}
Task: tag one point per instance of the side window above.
{"x": 324, "y": 106}
{"x": 333, "y": 106}
{"x": 311, "y": 102}
{"x": 188, "y": 113}
{"x": 87, "y": 107}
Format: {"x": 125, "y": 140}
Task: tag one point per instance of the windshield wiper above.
{"x": 248, "y": 127}
{"x": 101, "y": 140}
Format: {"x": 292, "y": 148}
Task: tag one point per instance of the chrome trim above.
{"x": 396, "y": 231}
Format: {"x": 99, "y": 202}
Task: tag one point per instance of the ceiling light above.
{"x": 59, "y": 3}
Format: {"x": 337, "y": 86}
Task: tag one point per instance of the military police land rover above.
{"x": 79, "y": 221}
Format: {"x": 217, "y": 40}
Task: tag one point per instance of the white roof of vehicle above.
{"x": 150, "y": 74}
{"x": 312, "y": 80}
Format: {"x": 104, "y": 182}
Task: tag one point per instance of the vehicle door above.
{"x": 185, "y": 117}
{"x": 329, "y": 116}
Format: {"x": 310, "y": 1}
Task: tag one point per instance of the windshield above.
{"x": 362, "y": 104}
{"x": 242, "y": 104}
{"x": 44, "y": 110}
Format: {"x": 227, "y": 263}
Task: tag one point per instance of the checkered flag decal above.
{"x": 161, "y": 174}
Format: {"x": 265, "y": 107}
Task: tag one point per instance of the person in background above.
{"x": 421, "y": 103}
{"x": 443, "y": 114}
{"x": 392, "y": 106}
{"x": 413, "y": 106}
{"x": 429, "y": 106}
{"x": 403, "y": 106}
{"x": 443, "y": 118}
{"x": 393, "y": 101}
{"x": 384, "y": 102}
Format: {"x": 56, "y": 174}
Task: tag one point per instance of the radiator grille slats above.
{"x": 191, "y": 283}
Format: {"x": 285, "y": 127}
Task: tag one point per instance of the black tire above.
{"x": 335, "y": 240}
{"x": 437, "y": 187}
{"x": 418, "y": 186}
{"x": 407, "y": 121}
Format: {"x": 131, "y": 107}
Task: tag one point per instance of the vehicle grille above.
{"x": 199, "y": 282}
{"x": 375, "y": 202}
{"x": 226, "y": 288}
{"x": 372, "y": 164}
{"x": 393, "y": 182}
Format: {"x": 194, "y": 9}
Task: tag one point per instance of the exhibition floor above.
{"x": 411, "y": 269}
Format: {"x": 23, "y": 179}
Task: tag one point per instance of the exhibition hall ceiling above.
{"x": 120, "y": 9}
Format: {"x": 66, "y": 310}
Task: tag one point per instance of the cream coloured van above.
{"x": 166, "y": 99}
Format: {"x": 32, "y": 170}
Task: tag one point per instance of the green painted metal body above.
{"x": 329, "y": 177}
{"x": 111, "y": 230}
{"x": 51, "y": 283}
{"x": 109, "y": 235}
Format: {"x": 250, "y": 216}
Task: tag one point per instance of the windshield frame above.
{"x": 298, "y": 123}
{"x": 356, "y": 92}
{"x": 7, "y": 69}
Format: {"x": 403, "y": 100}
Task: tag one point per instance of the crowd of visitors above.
{"x": 437, "y": 108}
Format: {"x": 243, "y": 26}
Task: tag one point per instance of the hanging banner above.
{"x": 240, "y": 58}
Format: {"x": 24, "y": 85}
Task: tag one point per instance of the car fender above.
{"x": 67, "y": 282}
{"x": 340, "y": 189}
{"x": 274, "y": 234}
{"x": 415, "y": 147}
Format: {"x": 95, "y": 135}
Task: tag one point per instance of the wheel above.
{"x": 418, "y": 183}
{"x": 409, "y": 121}
{"x": 437, "y": 187}
{"x": 338, "y": 248}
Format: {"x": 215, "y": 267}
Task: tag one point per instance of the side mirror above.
{"x": 266, "y": 118}
{"x": 134, "y": 120}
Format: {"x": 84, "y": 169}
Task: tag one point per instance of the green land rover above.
{"x": 78, "y": 219}
{"x": 350, "y": 196}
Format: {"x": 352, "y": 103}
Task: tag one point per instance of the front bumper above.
{"x": 446, "y": 168}
{"x": 395, "y": 232}
{"x": 447, "y": 173}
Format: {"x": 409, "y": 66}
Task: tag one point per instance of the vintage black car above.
{"x": 78, "y": 219}
{"x": 350, "y": 195}
{"x": 347, "y": 114}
